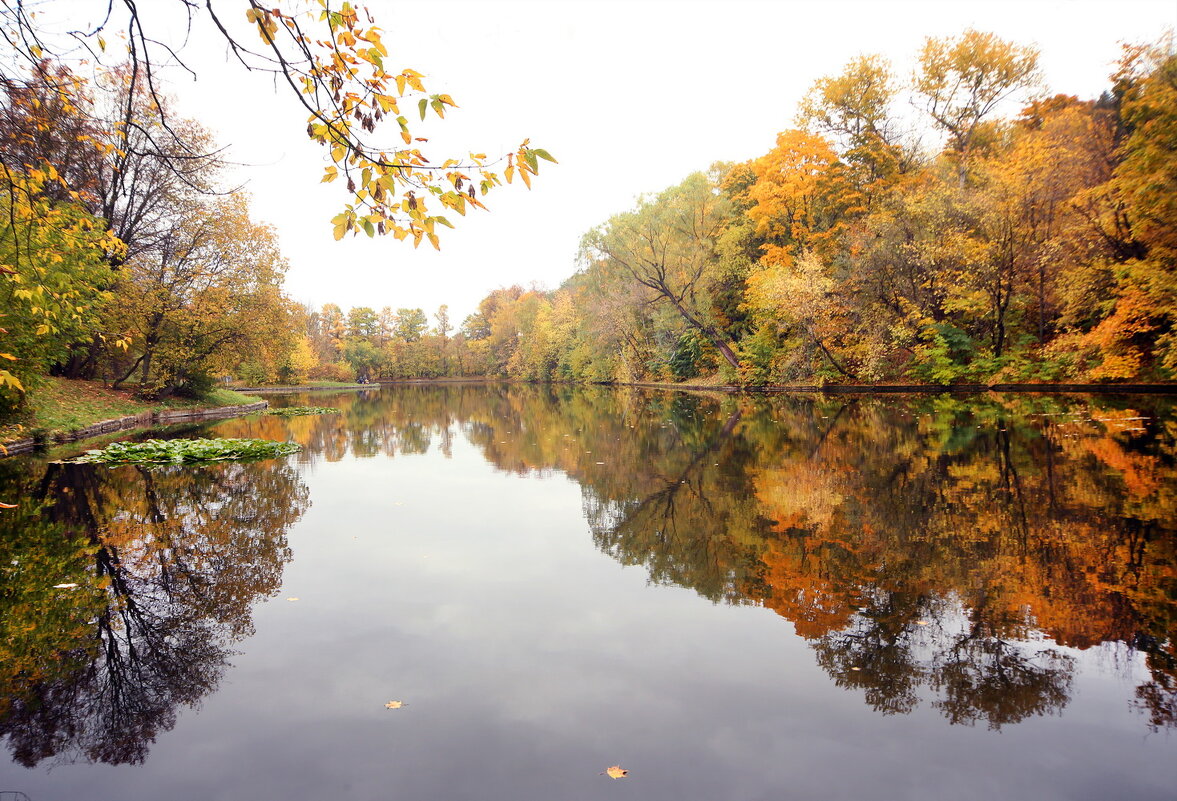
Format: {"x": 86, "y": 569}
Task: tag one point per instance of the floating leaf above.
{"x": 615, "y": 772}
{"x": 394, "y": 704}
{"x": 295, "y": 411}
{"x": 179, "y": 451}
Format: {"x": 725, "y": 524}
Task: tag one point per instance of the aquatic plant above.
{"x": 296, "y": 411}
{"x": 178, "y": 451}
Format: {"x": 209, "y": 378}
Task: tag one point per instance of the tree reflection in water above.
{"x": 931, "y": 550}
{"x": 936, "y": 545}
{"x": 168, "y": 562}
{"x": 942, "y": 545}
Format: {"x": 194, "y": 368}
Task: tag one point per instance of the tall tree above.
{"x": 1145, "y": 184}
{"x": 411, "y": 324}
{"x": 964, "y": 79}
{"x": 666, "y": 245}
{"x": 206, "y": 298}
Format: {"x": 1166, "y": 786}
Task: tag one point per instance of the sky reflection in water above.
{"x": 732, "y": 598}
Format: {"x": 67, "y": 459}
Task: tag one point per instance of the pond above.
{"x": 498, "y": 592}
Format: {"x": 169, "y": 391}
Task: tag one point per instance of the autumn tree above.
{"x": 666, "y": 245}
{"x": 411, "y": 324}
{"x": 964, "y": 79}
{"x": 1143, "y": 186}
{"x": 802, "y": 295}
{"x": 443, "y": 328}
{"x": 53, "y": 261}
{"x": 792, "y": 198}
{"x": 331, "y": 59}
{"x": 856, "y": 108}
{"x": 207, "y": 297}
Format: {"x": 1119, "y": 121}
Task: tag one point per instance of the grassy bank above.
{"x": 59, "y": 406}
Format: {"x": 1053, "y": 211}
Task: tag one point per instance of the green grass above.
{"x": 58, "y": 405}
{"x": 223, "y": 397}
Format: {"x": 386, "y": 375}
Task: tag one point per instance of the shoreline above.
{"x": 833, "y": 389}
{"x": 161, "y": 417}
{"x": 928, "y": 389}
{"x": 171, "y": 416}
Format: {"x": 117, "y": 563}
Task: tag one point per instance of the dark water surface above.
{"x": 732, "y": 598}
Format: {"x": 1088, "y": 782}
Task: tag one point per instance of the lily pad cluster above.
{"x": 179, "y": 451}
{"x": 298, "y": 411}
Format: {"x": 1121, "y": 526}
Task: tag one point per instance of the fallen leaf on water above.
{"x": 615, "y": 772}
{"x": 394, "y": 704}
{"x": 292, "y": 599}
{"x": 64, "y": 586}
{"x": 921, "y": 622}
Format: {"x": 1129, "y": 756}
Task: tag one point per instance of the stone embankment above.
{"x": 284, "y": 389}
{"x": 163, "y": 417}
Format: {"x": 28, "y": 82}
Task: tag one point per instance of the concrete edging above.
{"x": 257, "y": 390}
{"x": 162, "y": 417}
{"x": 925, "y": 389}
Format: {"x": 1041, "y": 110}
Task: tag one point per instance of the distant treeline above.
{"x": 1036, "y": 246}
{"x": 1035, "y": 240}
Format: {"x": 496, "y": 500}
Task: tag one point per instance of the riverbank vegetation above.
{"x": 124, "y": 255}
{"x": 997, "y": 233}
{"x": 181, "y": 451}
{"x": 1038, "y": 246}
{"x": 60, "y": 406}
{"x": 1035, "y": 242}
{"x": 123, "y": 260}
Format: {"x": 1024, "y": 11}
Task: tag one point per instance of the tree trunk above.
{"x": 708, "y": 331}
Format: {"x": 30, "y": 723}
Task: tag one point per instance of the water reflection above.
{"x": 162, "y": 567}
{"x": 942, "y": 547}
{"x": 957, "y": 554}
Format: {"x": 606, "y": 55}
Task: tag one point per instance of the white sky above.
{"x": 630, "y": 97}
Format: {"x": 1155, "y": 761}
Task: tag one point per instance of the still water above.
{"x": 495, "y": 593}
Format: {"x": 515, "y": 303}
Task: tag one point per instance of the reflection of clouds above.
{"x": 830, "y": 510}
{"x": 874, "y": 516}
{"x": 530, "y": 657}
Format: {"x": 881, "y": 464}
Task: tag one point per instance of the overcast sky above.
{"x": 630, "y": 96}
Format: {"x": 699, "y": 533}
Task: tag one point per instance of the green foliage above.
{"x": 361, "y": 355}
{"x": 688, "y": 356}
{"x": 53, "y": 273}
{"x": 193, "y": 383}
{"x": 944, "y": 356}
{"x": 178, "y": 451}
{"x": 410, "y": 324}
{"x": 757, "y": 354}
{"x": 253, "y": 373}
{"x": 1035, "y": 249}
